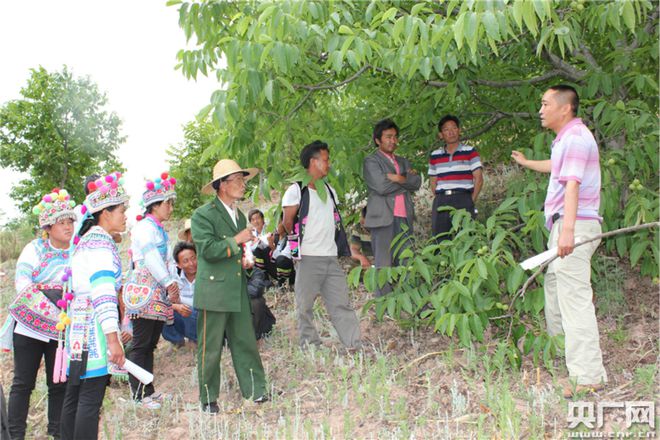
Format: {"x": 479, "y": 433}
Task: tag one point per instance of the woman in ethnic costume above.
{"x": 151, "y": 287}
{"x": 42, "y": 271}
{"x": 93, "y": 345}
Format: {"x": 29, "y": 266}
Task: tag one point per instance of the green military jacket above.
{"x": 220, "y": 276}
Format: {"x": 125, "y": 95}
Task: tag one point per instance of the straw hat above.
{"x": 186, "y": 227}
{"x": 224, "y": 168}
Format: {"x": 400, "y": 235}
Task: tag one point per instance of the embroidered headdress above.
{"x": 105, "y": 192}
{"x": 160, "y": 189}
{"x": 54, "y": 206}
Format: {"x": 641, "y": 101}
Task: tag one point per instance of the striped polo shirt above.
{"x": 454, "y": 171}
{"x": 574, "y": 157}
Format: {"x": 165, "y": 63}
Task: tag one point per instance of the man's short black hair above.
{"x": 568, "y": 94}
{"x": 312, "y": 150}
{"x": 446, "y": 119}
{"x": 253, "y": 212}
{"x": 382, "y": 125}
{"x": 182, "y": 246}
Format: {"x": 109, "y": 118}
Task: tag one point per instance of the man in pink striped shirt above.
{"x": 571, "y": 210}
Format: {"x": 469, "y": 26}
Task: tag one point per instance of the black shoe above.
{"x": 262, "y": 399}
{"x": 211, "y": 408}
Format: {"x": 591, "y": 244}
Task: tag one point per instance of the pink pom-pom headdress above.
{"x": 106, "y": 192}
{"x": 160, "y": 189}
{"x": 54, "y": 206}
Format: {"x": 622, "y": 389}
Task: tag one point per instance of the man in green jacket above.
{"x": 219, "y": 229}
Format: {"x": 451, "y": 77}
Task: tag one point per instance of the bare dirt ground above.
{"x": 405, "y": 384}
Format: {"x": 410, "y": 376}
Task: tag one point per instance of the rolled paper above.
{"x": 138, "y": 372}
{"x": 58, "y": 363}
{"x": 539, "y": 259}
{"x": 249, "y": 256}
{"x": 63, "y": 367}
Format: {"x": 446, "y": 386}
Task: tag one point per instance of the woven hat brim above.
{"x": 249, "y": 173}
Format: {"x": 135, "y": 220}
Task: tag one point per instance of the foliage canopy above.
{"x": 58, "y": 132}
{"x": 295, "y": 71}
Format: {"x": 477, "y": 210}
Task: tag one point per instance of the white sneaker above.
{"x": 161, "y": 397}
{"x": 149, "y": 403}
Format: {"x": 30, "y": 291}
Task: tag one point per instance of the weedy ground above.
{"x": 404, "y": 384}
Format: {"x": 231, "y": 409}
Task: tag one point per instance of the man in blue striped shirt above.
{"x": 455, "y": 175}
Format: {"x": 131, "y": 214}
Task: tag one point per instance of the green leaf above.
{"x": 370, "y": 279}
{"x": 464, "y": 332}
{"x": 346, "y": 45}
{"x": 481, "y": 268}
{"x": 425, "y": 68}
{"x": 637, "y": 250}
{"x": 514, "y": 279}
{"x": 490, "y": 23}
{"x": 423, "y": 269}
{"x": 391, "y": 306}
{"x": 354, "y": 276}
{"x": 389, "y": 14}
{"x": 628, "y": 13}
{"x": 459, "y": 31}
{"x": 415, "y": 9}
{"x": 345, "y": 30}
{"x": 383, "y": 276}
{"x": 517, "y": 12}
{"x": 268, "y": 91}
{"x": 406, "y": 304}
{"x": 477, "y": 327}
{"x": 452, "y": 323}
{"x": 529, "y": 16}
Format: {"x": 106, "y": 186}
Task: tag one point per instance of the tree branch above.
{"x": 495, "y": 118}
{"x": 504, "y": 84}
{"x": 567, "y": 70}
{"x": 523, "y": 289}
{"x": 321, "y": 85}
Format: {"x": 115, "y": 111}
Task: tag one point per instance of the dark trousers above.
{"x": 386, "y": 253}
{"x": 441, "y": 221}
{"x": 182, "y": 328}
{"x": 263, "y": 319}
{"x": 27, "y": 359}
{"x": 146, "y": 333}
{"x": 284, "y": 270}
{"x": 81, "y": 409}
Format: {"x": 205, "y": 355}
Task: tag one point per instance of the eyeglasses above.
{"x": 238, "y": 179}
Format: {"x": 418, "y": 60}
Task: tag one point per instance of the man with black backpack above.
{"x": 311, "y": 216}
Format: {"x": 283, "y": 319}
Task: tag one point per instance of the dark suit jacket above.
{"x": 380, "y": 205}
{"x": 220, "y": 276}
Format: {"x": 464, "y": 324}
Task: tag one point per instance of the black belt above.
{"x": 556, "y": 216}
{"x": 449, "y": 192}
